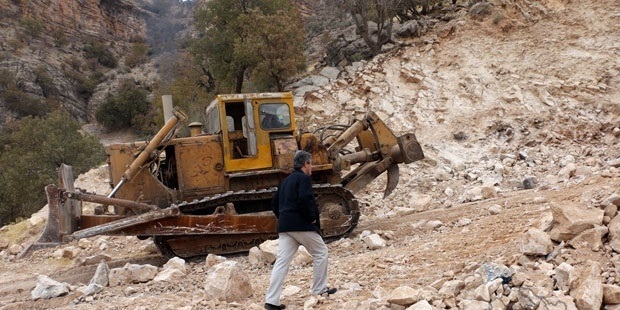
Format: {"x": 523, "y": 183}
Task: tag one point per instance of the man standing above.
{"x": 298, "y": 224}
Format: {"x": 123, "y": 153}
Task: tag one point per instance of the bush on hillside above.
{"x": 16, "y": 100}
{"x": 82, "y": 85}
{"x": 32, "y": 27}
{"x": 121, "y": 110}
{"x": 23, "y": 104}
{"x": 34, "y": 148}
{"x": 139, "y": 54}
{"x": 59, "y": 38}
{"x": 45, "y": 81}
{"x": 101, "y": 54}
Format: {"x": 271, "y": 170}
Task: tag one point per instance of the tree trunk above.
{"x": 239, "y": 80}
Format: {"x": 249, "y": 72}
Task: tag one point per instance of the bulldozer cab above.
{"x": 247, "y": 124}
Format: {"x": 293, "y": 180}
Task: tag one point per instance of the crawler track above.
{"x": 338, "y": 207}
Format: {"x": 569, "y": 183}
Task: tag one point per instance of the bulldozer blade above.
{"x": 125, "y": 223}
{"x": 62, "y": 216}
{"x": 51, "y": 235}
{"x": 393, "y": 174}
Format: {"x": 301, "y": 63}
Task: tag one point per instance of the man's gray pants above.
{"x": 287, "y": 248}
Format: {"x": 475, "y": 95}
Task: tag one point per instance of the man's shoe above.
{"x": 269, "y": 306}
{"x": 329, "y": 291}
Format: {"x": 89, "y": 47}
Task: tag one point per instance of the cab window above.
{"x": 274, "y": 116}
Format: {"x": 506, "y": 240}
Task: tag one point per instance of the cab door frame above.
{"x": 256, "y": 152}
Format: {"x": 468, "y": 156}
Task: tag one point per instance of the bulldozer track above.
{"x": 334, "y": 202}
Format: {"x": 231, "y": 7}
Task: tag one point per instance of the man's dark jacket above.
{"x": 294, "y": 204}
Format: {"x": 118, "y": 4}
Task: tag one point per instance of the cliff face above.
{"x": 104, "y": 19}
{"x": 43, "y": 57}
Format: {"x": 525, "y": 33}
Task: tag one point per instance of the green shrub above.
{"x": 34, "y": 147}
{"x": 45, "y": 81}
{"x": 15, "y": 44}
{"x": 119, "y": 111}
{"x": 75, "y": 63}
{"x": 84, "y": 86}
{"x": 24, "y": 104}
{"x": 138, "y": 55}
{"x": 137, "y": 39}
{"x": 7, "y": 79}
{"x": 59, "y": 37}
{"x": 147, "y": 125}
{"x": 32, "y": 27}
{"x": 100, "y": 53}
{"x": 18, "y": 101}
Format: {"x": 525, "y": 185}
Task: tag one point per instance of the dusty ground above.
{"x": 520, "y": 93}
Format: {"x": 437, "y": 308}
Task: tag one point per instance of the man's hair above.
{"x": 301, "y": 158}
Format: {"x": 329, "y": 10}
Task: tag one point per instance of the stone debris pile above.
{"x": 546, "y": 275}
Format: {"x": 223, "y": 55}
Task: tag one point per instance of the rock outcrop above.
{"x": 43, "y": 43}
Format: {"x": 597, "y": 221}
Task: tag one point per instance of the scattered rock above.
{"x": 256, "y": 257}
{"x": 91, "y": 260}
{"x": 132, "y": 273}
{"x": 374, "y": 241}
{"x": 571, "y": 220}
{"x": 421, "y": 305}
{"x": 495, "y": 209}
{"x": 536, "y": 242}
{"x": 228, "y": 281}
{"x": 404, "y": 296}
{"x": 47, "y": 288}
{"x": 586, "y": 287}
{"x": 270, "y": 250}
{"x": 611, "y": 294}
{"x": 563, "y": 276}
{"x": 614, "y": 234}
{"x": 213, "y": 260}
{"x": 99, "y": 280}
{"x": 302, "y": 257}
{"x": 591, "y": 239}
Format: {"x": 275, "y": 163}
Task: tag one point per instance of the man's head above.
{"x": 303, "y": 161}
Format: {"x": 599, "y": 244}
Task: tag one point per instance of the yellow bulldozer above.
{"x": 210, "y": 192}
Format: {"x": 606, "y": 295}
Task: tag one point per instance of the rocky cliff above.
{"x": 103, "y": 20}
{"x": 43, "y": 58}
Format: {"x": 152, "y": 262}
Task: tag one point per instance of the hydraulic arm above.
{"x": 378, "y": 150}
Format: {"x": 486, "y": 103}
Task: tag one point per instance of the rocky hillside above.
{"x": 516, "y": 104}
{"x": 73, "y": 53}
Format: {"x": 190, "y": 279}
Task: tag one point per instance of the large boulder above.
{"x": 270, "y": 250}
{"x": 132, "y": 273}
{"x": 229, "y": 282}
{"x": 590, "y": 239}
{"x": 404, "y": 296}
{"x": 536, "y": 242}
{"x": 47, "y": 288}
{"x": 586, "y": 286}
{"x": 569, "y": 220}
{"x": 611, "y": 294}
{"x": 173, "y": 270}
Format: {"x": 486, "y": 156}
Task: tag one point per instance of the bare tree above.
{"x": 373, "y": 12}
{"x": 412, "y": 9}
